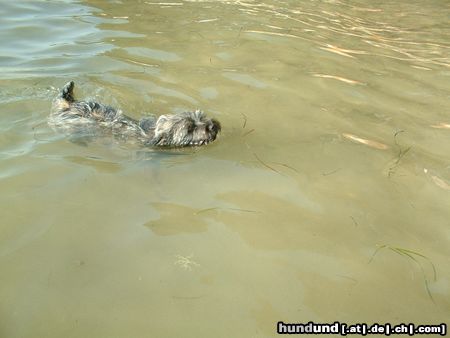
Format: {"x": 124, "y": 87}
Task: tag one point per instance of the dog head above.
{"x": 186, "y": 129}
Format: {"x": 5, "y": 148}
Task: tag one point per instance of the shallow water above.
{"x": 332, "y": 164}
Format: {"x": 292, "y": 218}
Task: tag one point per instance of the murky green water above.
{"x": 336, "y": 142}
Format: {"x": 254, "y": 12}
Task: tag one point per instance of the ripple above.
{"x": 245, "y": 79}
{"x": 52, "y": 38}
{"x": 154, "y": 54}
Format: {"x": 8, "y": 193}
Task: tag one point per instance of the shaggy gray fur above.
{"x": 177, "y": 130}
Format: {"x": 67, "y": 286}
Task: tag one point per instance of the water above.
{"x": 335, "y": 145}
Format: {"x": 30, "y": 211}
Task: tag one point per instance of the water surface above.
{"x": 326, "y": 197}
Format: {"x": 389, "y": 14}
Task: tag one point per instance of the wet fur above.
{"x": 177, "y": 130}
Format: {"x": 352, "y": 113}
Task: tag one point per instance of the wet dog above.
{"x": 177, "y": 130}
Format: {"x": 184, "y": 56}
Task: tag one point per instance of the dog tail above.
{"x": 67, "y": 91}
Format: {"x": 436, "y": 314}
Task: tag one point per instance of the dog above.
{"x": 174, "y": 130}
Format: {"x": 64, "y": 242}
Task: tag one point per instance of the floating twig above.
{"x": 413, "y": 256}
{"x": 187, "y": 297}
{"x": 331, "y": 172}
{"x": 266, "y": 165}
{"x": 248, "y": 132}
{"x": 245, "y": 120}
{"x": 286, "y": 166}
{"x": 220, "y": 208}
{"x": 401, "y": 153}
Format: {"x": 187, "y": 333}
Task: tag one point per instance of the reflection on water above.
{"x": 324, "y": 199}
